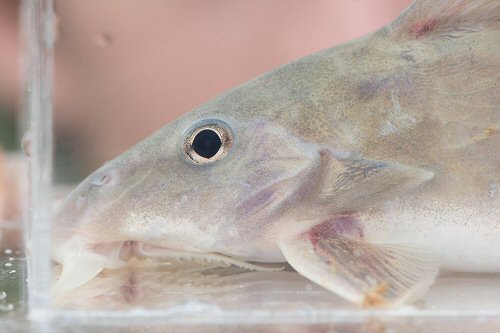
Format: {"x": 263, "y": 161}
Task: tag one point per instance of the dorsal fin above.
{"x": 431, "y": 18}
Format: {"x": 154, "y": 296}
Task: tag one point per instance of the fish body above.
{"x": 368, "y": 167}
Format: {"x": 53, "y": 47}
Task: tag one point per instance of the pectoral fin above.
{"x": 351, "y": 184}
{"x": 372, "y": 275}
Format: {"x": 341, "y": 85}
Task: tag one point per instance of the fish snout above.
{"x": 97, "y": 184}
{"x": 85, "y": 210}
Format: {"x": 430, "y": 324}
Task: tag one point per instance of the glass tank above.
{"x": 89, "y": 181}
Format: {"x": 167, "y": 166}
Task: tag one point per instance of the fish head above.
{"x": 208, "y": 183}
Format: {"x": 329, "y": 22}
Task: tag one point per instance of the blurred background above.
{"x": 123, "y": 68}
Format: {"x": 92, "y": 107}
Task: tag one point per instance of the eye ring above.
{"x": 208, "y": 142}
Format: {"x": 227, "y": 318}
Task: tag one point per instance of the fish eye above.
{"x": 208, "y": 142}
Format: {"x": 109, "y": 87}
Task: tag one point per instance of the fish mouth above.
{"x": 152, "y": 253}
{"x": 80, "y": 271}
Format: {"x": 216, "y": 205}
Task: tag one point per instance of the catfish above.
{"x": 368, "y": 167}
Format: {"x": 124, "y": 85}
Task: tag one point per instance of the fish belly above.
{"x": 464, "y": 237}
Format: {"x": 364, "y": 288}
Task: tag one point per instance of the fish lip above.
{"x": 120, "y": 266}
{"x": 159, "y": 254}
{"x": 105, "y": 258}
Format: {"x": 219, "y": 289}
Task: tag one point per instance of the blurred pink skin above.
{"x": 10, "y": 232}
{"x": 3, "y": 185}
{"x": 9, "y": 50}
{"x": 124, "y": 68}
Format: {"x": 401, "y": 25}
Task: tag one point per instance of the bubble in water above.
{"x": 12, "y": 271}
{"x": 8, "y": 307}
{"x": 26, "y": 143}
{"x": 3, "y": 295}
{"x": 8, "y": 264}
{"x": 7, "y": 251}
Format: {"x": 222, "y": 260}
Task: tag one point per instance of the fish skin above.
{"x": 416, "y": 102}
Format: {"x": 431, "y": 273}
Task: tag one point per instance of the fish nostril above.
{"x": 81, "y": 201}
{"x": 105, "y": 179}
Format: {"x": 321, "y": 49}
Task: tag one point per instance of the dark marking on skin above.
{"x": 423, "y": 28}
{"x": 347, "y": 225}
{"x": 127, "y": 250}
{"x": 339, "y": 226}
{"x": 129, "y": 290}
{"x": 371, "y": 88}
{"x": 408, "y": 56}
{"x": 360, "y": 52}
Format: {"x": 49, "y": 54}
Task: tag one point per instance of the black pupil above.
{"x": 206, "y": 143}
